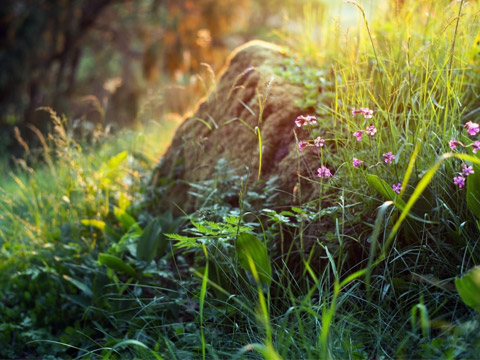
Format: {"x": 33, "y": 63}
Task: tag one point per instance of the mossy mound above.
{"x": 249, "y": 94}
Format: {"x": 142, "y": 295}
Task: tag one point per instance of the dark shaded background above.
{"x": 97, "y": 61}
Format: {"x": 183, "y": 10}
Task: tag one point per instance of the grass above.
{"x": 87, "y": 272}
{"x": 41, "y": 210}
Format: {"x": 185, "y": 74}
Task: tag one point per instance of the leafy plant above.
{"x": 468, "y": 287}
{"x": 252, "y": 252}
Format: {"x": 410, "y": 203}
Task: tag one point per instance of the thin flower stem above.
{"x": 455, "y": 37}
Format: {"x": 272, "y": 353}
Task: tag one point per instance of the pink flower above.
{"x": 472, "y": 128}
{"x": 476, "y": 146}
{"x": 397, "y": 188}
{"x": 319, "y": 142}
{"x": 358, "y": 134}
{"x": 453, "y": 143}
{"x": 302, "y": 145}
{"x": 371, "y": 130}
{"x": 388, "y": 157}
{"x": 324, "y": 172}
{"x": 467, "y": 170}
{"x": 459, "y": 181}
{"x": 357, "y": 162}
{"x": 366, "y": 112}
{"x": 305, "y": 120}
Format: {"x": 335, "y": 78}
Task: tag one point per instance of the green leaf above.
{"x": 115, "y": 263}
{"x": 100, "y": 225}
{"x": 248, "y": 246}
{"x": 124, "y": 218}
{"x": 81, "y": 286}
{"x": 468, "y": 287}
{"x": 97, "y": 224}
{"x": 203, "y": 229}
{"x": 130, "y": 342}
{"x": 184, "y": 241}
{"x": 151, "y": 242}
{"x": 385, "y": 190}
{"x": 115, "y": 161}
{"x": 473, "y": 191}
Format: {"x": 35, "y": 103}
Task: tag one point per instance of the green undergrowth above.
{"x": 362, "y": 272}
{"x": 49, "y": 249}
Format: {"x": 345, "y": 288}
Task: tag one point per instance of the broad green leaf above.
{"x": 124, "y": 218}
{"x": 468, "y": 287}
{"x": 151, "y": 242}
{"x": 115, "y": 263}
{"x": 248, "y": 246}
{"x": 385, "y": 190}
{"x": 473, "y": 191}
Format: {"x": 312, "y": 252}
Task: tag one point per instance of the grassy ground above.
{"x": 86, "y": 272}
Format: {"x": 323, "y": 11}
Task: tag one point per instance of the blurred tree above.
{"x": 96, "y": 59}
{"x": 40, "y": 47}
{"x": 36, "y": 36}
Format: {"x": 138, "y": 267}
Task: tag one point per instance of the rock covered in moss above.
{"x": 249, "y": 95}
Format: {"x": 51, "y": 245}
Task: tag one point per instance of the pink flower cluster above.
{"x": 476, "y": 146}
{"x": 388, "y": 157}
{"x": 324, "y": 172}
{"x": 302, "y": 145}
{"x": 366, "y": 112}
{"x": 305, "y": 120}
{"x": 472, "y": 128}
{"x": 454, "y": 143}
{"x": 356, "y": 162}
{"x": 358, "y": 134}
{"x": 318, "y": 142}
{"x": 371, "y": 130}
{"x": 467, "y": 170}
{"x": 460, "y": 179}
{"x": 308, "y": 120}
{"x": 397, "y": 188}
